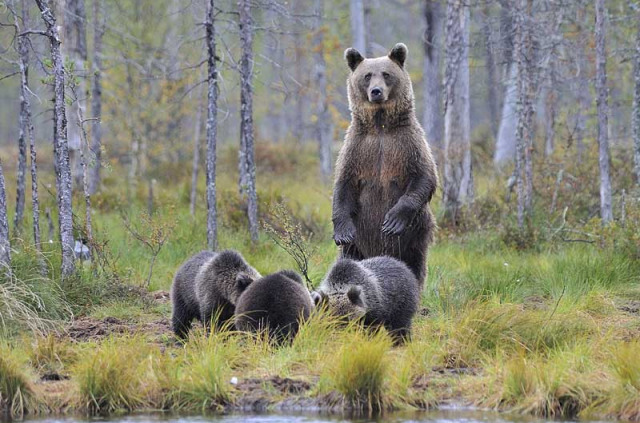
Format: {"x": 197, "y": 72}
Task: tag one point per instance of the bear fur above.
{"x": 205, "y": 286}
{"x": 278, "y": 303}
{"x": 379, "y": 290}
{"x": 385, "y": 173}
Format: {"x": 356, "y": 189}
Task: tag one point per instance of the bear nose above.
{"x": 376, "y": 92}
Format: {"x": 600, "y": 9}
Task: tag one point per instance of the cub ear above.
{"x": 316, "y": 297}
{"x": 399, "y": 54}
{"x": 353, "y": 58}
{"x": 242, "y": 282}
{"x": 355, "y": 295}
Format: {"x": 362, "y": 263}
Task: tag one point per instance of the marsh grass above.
{"x": 108, "y": 377}
{"x": 360, "y": 371}
{"x": 623, "y": 398}
{"x": 17, "y": 395}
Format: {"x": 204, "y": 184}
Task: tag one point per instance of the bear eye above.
{"x": 367, "y": 77}
{"x": 385, "y": 75}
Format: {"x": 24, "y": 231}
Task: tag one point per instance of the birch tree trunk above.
{"x": 458, "y": 179}
{"x": 602, "y": 103}
{"x": 5, "y": 246}
{"x": 636, "y": 105}
{"x": 432, "y": 119}
{"x": 522, "y": 52}
{"x": 23, "y": 120}
{"x": 74, "y": 50}
{"x": 212, "y": 127}
{"x": 506, "y": 141}
{"x": 61, "y": 152}
{"x": 96, "y": 98}
{"x": 246, "y": 115}
{"x": 323, "y": 126}
{"x": 358, "y": 30}
{"x": 26, "y": 122}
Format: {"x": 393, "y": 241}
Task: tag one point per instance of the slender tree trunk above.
{"x": 432, "y": 76}
{"x": 23, "y": 119}
{"x": 506, "y": 141}
{"x": 636, "y": 104}
{"x": 368, "y": 51}
{"x": 96, "y": 98}
{"x": 458, "y": 178}
{"x": 602, "y": 104}
{"x": 196, "y": 159}
{"x": 525, "y": 94}
{"x": 324, "y": 129}
{"x": 212, "y": 127}
{"x": 491, "y": 73}
{"x": 550, "y": 116}
{"x": 246, "y": 114}
{"x": 26, "y": 123}
{"x": 358, "y": 30}
{"x": 5, "y": 246}
{"x": 61, "y": 152}
{"x": 88, "y": 228}
{"x": 74, "y": 50}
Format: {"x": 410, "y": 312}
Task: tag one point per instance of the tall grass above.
{"x": 17, "y": 395}
{"x": 360, "y": 371}
{"x": 108, "y": 377}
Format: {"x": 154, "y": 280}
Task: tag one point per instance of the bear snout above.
{"x": 376, "y": 95}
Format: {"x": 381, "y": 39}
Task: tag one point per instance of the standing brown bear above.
{"x": 385, "y": 173}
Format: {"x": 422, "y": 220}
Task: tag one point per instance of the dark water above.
{"x": 440, "y": 416}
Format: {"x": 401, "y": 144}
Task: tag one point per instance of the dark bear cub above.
{"x": 379, "y": 290}
{"x": 205, "y": 286}
{"x": 277, "y": 303}
{"x": 385, "y": 173}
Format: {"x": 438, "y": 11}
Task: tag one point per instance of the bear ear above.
{"x": 242, "y": 282}
{"x": 399, "y": 54}
{"x": 355, "y": 295}
{"x": 353, "y": 57}
{"x": 316, "y": 297}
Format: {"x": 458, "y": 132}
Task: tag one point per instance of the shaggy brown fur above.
{"x": 385, "y": 173}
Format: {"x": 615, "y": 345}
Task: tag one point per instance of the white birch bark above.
{"x": 5, "y": 246}
{"x": 212, "y": 127}
{"x": 602, "y": 103}
{"x": 636, "y": 104}
{"x": 458, "y": 178}
{"x": 246, "y": 115}
{"x": 61, "y": 152}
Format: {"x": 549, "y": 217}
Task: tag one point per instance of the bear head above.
{"x": 379, "y": 83}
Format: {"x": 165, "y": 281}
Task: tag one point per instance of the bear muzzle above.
{"x": 376, "y": 95}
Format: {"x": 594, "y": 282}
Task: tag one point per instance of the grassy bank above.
{"x": 530, "y": 321}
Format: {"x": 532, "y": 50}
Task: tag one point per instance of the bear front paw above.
{"x": 395, "y": 222}
{"x": 344, "y": 233}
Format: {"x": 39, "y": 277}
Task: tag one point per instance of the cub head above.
{"x": 379, "y": 81}
{"x": 349, "y": 305}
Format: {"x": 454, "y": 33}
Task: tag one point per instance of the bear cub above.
{"x": 380, "y": 291}
{"x": 205, "y": 286}
{"x": 277, "y": 303}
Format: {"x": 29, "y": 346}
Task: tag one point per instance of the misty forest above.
{"x": 135, "y": 134}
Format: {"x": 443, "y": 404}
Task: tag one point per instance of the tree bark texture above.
{"x": 602, "y": 104}
{"x": 246, "y": 115}
{"x": 212, "y": 127}
{"x": 61, "y": 151}
{"x": 433, "y": 119}
{"x": 458, "y": 178}
{"x": 636, "y": 104}
{"x": 195, "y": 166}
{"x": 492, "y": 97}
{"x": 5, "y": 246}
{"x": 26, "y": 122}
